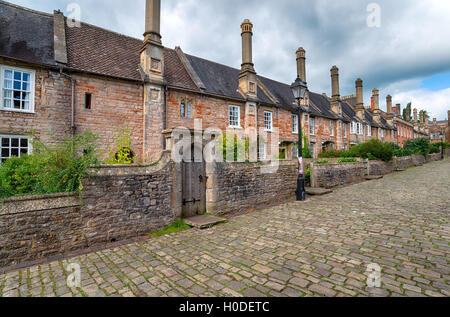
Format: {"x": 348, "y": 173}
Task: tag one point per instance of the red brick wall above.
{"x": 115, "y": 104}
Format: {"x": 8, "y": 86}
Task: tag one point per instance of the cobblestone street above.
{"x": 321, "y": 247}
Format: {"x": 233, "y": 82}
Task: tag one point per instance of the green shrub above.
{"x": 322, "y": 162}
{"x": 372, "y": 150}
{"x": 420, "y": 146}
{"x": 51, "y": 168}
{"x": 331, "y": 154}
{"x": 308, "y": 176}
{"x": 121, "y": 152}
{"x": 347, "y": 160}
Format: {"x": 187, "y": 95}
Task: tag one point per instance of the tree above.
{"x": 407, "y": 113}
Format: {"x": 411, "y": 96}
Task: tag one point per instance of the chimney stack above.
{"x": 301, "y": 64}
{"x": 376, "y": 99}
{"x": 398, "y": 109}
{"x": 415, "y": 115}
{"x": 336, "y": 106}
{"x": 247, "y": 75}
{"x": 152, "y": 21}
{"x": 359, "y": 99}
{"x": 335, "y": 82}
{"x": 389, "y": 104}
{"x": 247, "y": 51}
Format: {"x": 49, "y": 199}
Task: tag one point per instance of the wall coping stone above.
{"x": 24, "y": 204}
{"x": 132, "y": 169}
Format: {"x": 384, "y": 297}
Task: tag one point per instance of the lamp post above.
{"x": 299, "y": 90}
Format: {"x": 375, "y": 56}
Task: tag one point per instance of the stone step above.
{"x": 372, "y": 177}
{"x": 203, "y": 221}
{"x": 317, "y": 191}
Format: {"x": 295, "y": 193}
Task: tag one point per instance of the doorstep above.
{"x": 317, "y": 191}
{"x": 369, "y": 178}
{"x": 203, "y": 221}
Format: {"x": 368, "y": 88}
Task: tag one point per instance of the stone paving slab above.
{"x": 326, "y": 246}
{"x": 203, "y": 221}
{"x": 317, "y": 191}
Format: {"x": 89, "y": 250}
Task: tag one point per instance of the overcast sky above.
{"x": 408, "y": 56}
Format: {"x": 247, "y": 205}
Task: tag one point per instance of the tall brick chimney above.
{"x": 247, "y": 75}
{"x": 301, "y": 64}
{"x": 336, "y": 106}
{"x": 359, "y": 99}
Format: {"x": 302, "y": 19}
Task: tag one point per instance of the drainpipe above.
{"x": 165, "y": 119}
{"x": 72, "y": 81}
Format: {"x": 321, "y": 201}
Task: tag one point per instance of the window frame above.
{"x": 32, "y": 73}
{"x": 12, "y": 136}
{"x": 312, "y": 127}
{"x": 91, "y": 100}
{"x": 331, "y": 127}
{"x": 369, "y": 130}
{"x": 344, "y": 127}
{"x": 266, "y": 129}
{"x": 238, "y": 116}
{"x": 262, "y": 145}
{"x": 294, "y": 123}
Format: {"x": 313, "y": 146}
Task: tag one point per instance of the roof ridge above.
{"x": 25, "y": 9}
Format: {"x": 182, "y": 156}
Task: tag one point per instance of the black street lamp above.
{"x": 299, "y": 90}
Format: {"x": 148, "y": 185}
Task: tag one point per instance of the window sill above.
{"x": 17, "y": 110}
{"x": 234, "y": 127}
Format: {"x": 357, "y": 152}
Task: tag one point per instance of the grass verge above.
{"x": 173, "y": 228}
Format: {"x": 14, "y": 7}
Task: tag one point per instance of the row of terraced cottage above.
{"x": 58, "y": 80}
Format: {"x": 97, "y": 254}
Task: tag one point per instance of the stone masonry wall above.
{"x": 235, "y": 187}
{"x": 38, "y": 227}
{"x": 332, "y": 175}
{"x": 118, "y": 203}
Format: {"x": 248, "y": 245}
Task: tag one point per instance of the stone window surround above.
{"x": 187, "y": 108}
{"x": 369, "y": 130}
{"x": 312, "y": 126}
{"x": 10, "y": 136}
{"x": 32, "y": 73}
{"x": 331, "y": 128}
{"x": 234, "y": 116}
{"x": 268, "y": 121}
{"x": 295, "y": 123}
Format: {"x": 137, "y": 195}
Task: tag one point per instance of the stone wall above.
{"x": 118, "y": 203}
{"x": 37, "y": 227}
{"x": 121, "y": 202}
{"x": 380, "y": 168}
{"x": 235, "y": 187}
{"x": 332, "y": 175}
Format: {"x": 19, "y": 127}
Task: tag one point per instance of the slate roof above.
{"x": 27, "y": 35}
